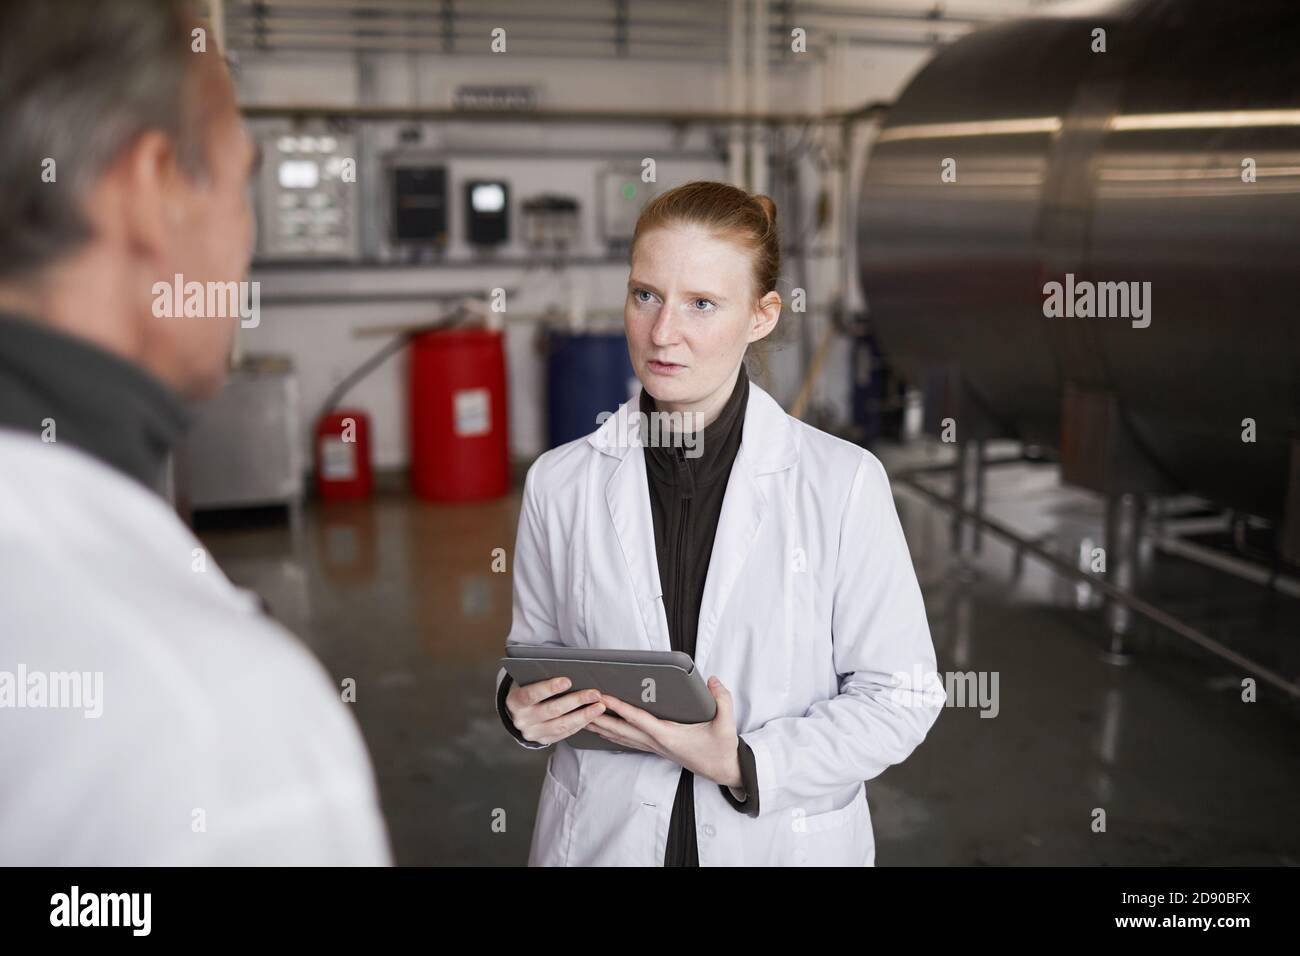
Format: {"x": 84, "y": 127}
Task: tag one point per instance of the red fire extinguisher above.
{"x": 341, "y": 444}
{"x": 342, "y": 453}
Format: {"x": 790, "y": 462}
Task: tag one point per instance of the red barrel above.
{"x": 342, "y": 455}
{"x": 459, "y": 449}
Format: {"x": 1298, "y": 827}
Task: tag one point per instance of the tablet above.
{"x": 665, "y": 683}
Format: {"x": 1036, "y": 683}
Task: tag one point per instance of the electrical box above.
{"x": 418, "y": 210}
{"x": 307, "y": 197}
{"x": 487, "y": 212}
{"x": 550, "y": 222}
{"x": 621, "y": 196}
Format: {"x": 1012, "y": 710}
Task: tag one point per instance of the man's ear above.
{"x": 766, "y": 314}
{"x": 148, "y": 178}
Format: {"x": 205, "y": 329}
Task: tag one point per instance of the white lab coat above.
{"x": 811, "y": 616}
{"x": 220, "y": 739}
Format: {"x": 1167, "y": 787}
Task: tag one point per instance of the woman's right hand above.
{"x": 544, "y": 721}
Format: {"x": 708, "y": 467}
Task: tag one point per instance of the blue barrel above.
{"x": 586, "y": 373}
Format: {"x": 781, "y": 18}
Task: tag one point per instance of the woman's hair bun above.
{"x": 768, "y": 206}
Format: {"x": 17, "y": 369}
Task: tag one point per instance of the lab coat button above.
{"x": 708, "y": 829}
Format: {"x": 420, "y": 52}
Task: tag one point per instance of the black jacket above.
{"x": 687, "y": 487}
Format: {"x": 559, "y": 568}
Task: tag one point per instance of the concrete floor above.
{"x": 400, "y": 595}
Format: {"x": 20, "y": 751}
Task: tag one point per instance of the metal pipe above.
{"x": 1137, "y": 604}
{"x": 435, "y": 114}
{"x": 758, "y": 91}
{"x": 736, "y": 92}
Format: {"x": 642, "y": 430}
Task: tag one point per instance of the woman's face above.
{"x": 689, "y": 315}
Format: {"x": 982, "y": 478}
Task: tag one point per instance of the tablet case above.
{"x": 680, "y": 694}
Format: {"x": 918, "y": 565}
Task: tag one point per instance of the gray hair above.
{"x": 80, "y": 81}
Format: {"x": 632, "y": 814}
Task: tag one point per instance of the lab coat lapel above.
{"x": 743, "y": 508}
{"x": 767, "y": 445}
{"x": 627, "y": 496}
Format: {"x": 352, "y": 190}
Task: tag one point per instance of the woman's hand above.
{"x": 544, "y": 721}
{"x": 708, "y": 750}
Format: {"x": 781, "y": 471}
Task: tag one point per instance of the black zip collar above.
{"x": 57, "y": 386}
{"x": 718, "y": 443}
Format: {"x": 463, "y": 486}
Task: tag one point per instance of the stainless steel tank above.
{"x": 1122, "y": 166}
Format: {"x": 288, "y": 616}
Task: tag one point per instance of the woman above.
{"x": 774, "y": 558}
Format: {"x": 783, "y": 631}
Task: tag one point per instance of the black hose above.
{"x": 374, "y": 361}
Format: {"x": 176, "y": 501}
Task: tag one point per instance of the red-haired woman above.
{"x": 774, "y": 558}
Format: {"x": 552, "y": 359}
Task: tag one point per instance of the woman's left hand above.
{"x": 708, "y": 750}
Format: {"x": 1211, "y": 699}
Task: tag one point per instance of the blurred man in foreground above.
{"x": 149, "y": 713}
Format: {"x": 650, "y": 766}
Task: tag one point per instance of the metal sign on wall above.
{"x": 503, "y": 98}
